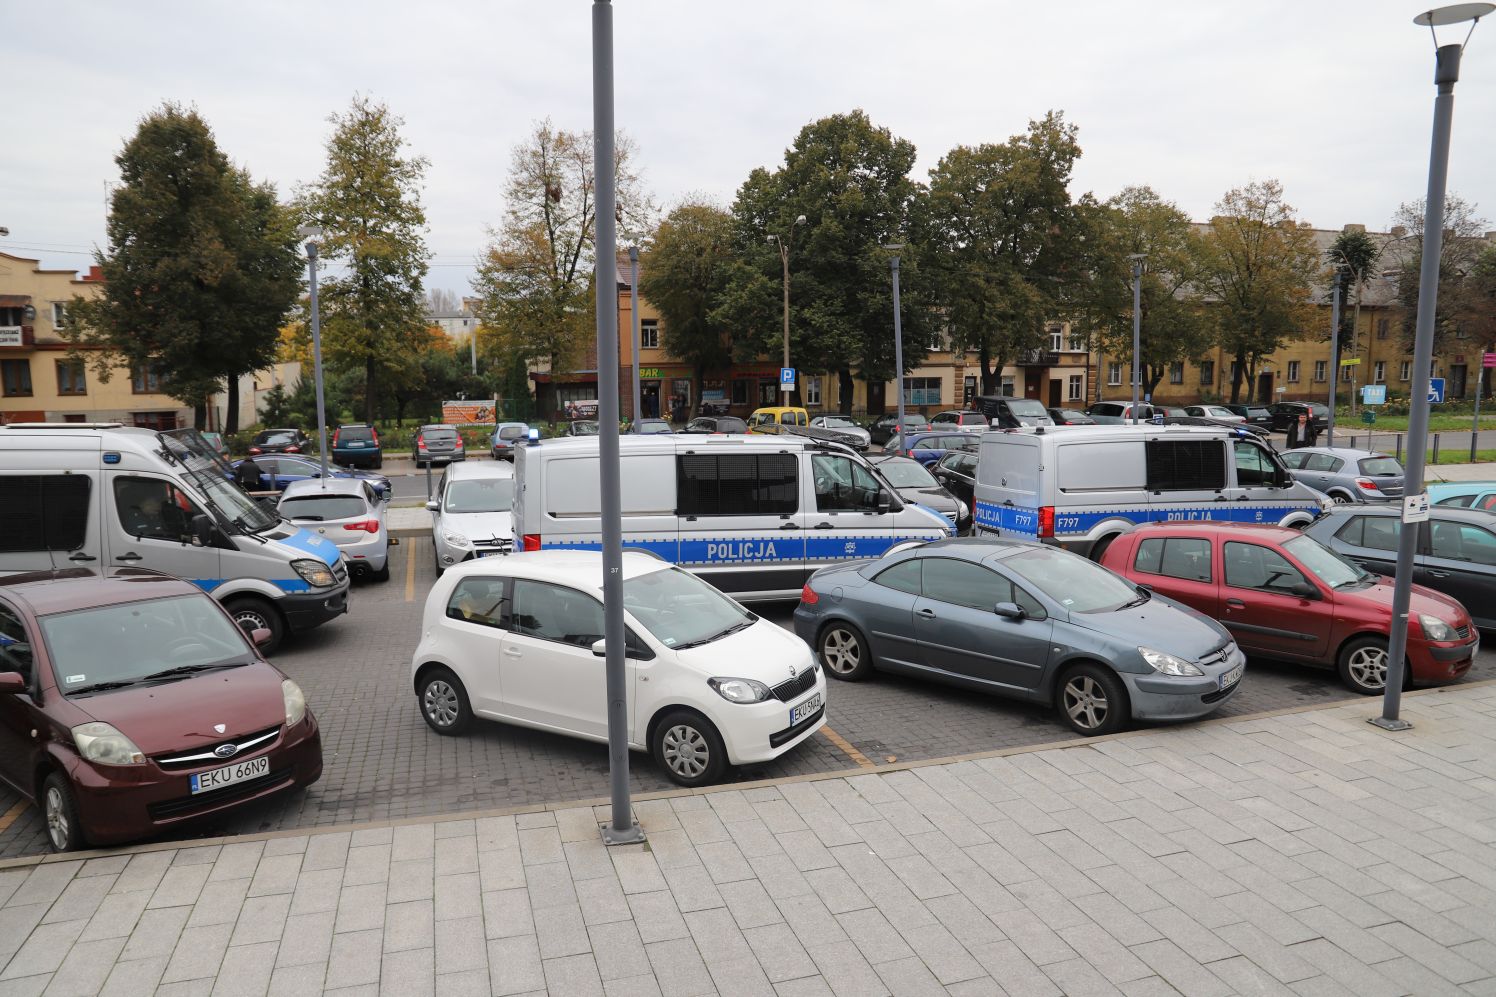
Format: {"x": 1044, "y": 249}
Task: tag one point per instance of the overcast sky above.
{"x": 1332, "y": 97}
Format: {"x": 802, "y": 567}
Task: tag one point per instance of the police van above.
{"x": 753, "y": 515}
{"x": 1083, "y": 486}
{"x": 103, "y": 495}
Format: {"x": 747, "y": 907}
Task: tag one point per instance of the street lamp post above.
{"x": 312, "y": 233}
{"x": 898, "y": 335}
{"x": 634, "y": 307}
{"x": 1446, "y": 74}
{"x": 1137, "y": 327}
{"x": 1334, "y": 361}
{"x": 784, "y": 259}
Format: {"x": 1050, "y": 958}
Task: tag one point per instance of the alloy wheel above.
{"x": 440, "y": 702}
{"x": 840, "y": 651}
{"x": 687, "y": 753}
{"x": 58, "y": 828}
{"x": 1086, "y": 702}
{"x": 1368, "y": 666}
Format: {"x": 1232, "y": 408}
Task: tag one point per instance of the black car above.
{"x": 915, "y": 484}
{"x": 279, "y": 441}
{"x": 1456, "y": 549}
{"x": 1285, "y": 414}
{"x": 886, "y": 426}
{"x": 1011, "y": 413}
{"x": 716, "y": 424}
{"x": 957, "y": 474}
{"x": 1200, "y": 420}
{"x": 1070, "y": 417}
{"x": 1256, "y": 415}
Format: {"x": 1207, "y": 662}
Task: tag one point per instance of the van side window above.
{"x": 480, "y": 601}
{"x": 43, "y": 511}
{"x": 1253, "y": 466}
{"x": 1185, "y": 465}
{"x": 737, "y": 484}
{"x": 15, "y": 643}
{"x": 150, "y": 507}
{"x": 843, "y": 485}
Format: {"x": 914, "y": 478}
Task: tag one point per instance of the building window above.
{"x": 1077, "y": 343}
{"x": 1382, "y": 326}
{"x": 649, "y": 334}
{"x": 1320, "y": 369}
{"x": 1056, "y": 338}
{"x": 1207, "y": 372}
{"x": 17, "y": 377}
{"x": 59, "y": 314}
{"x": 1404, "y": 370}
{"x": 1461, "y": 331}
{"x": 159, "y": 421}
{"x": 813, "y": 392}
{"x": 1379, "y": 373}
{"x": 921, "y": 391}
{"x": 1293, "y": 371}
{"x": 1007, "y": 388}
{"x": 1076, "y": 391}
{"x": 1345, "y": 372}
{"x": 1176, "y": 373}
{"x": 70, "y": 379}
{"x": 740, "y": 391}
{"x": 1113, "y": 373}
{"x": 145, "y": 380}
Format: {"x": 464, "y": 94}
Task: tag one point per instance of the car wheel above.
{"x": 436, "y": 559}
{"x": 1098, "y": 549}
{"x": 444, "y": 703}
{"x": 60, "y": 811}
{"x": 1092, "y": 700}
{"x": 378, "y": 462}
{"x": 844, "y": 653}
{"x": 383, "y": 574}
{"x": 1363, "y": 665}
{"x": 1340, "y": 498}
{"x": 689, "y": 749}
{"x": 256, "y": 614}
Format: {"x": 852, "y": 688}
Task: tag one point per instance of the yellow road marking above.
{"x": 10, "y": 815}
{"x": 847, "y": 749}
{"x": 410, "y": 570}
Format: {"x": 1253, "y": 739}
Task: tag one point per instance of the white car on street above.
{"x": 347, "y": 511}
{"x": 1217, "y": 412}
{"x": 519, "y": 639}
{"x": 470, "y": 515}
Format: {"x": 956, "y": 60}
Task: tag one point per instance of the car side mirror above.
{"x": 1009, "y": 610}
{"x": 202, "y": 530}
{"x": 12, "y": 682}
{"x": 600, "y": 648}
{"x": 885, "y": 500}
{"x": 260, "y": 636}
{"x": 433, "y": 506}
{"x": 1304, "y": 590}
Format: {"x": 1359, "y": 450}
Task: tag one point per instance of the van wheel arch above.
{"x": 1098, "y": 549}
{"x": 254, "y": 609}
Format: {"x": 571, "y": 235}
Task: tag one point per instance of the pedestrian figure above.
{"x": 1302, "y": 432}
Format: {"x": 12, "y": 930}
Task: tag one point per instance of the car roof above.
{"x": 1210, "y": 528}
{"x": 439, "y": 425}
{"x": 323, "y": 486}
{"x": 1344, "y": 452}
{"x": 976, "y": 549}
{"x": 67, "y": 589}
{"x": 577, "y": 568}
{"x": 670, "y": 443}
{"x": 480, "y": 469}
{"x": 1452, "y": 513}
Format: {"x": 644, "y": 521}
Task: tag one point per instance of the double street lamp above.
{"x": 784, "y": 258}
{"x": 313, "y": 235}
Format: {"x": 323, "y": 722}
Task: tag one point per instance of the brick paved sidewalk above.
{"x": 1300, "y": 853}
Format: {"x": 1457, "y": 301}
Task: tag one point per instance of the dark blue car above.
{"x": 278, "y": 470}
{"x": 927, "y": 448}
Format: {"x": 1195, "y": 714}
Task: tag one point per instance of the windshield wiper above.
{"x": 716, "y": 636}
{"x": 102, "y": 686}
{"x": 188, "y": 670}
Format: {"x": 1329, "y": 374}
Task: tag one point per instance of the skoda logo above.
{"x": 226, "y": 750}
{"x": 792, "y": 671}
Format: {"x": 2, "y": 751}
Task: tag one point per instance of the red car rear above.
{"x": 1284, "y": 595}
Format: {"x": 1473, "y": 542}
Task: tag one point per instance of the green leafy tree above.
{"x": 1459, "y": 252}
{"x": 368, "y": 203}
{"x": 1003, "y": 240}
{"x": 1257, "y": 267}
{"x": 683, "y": 276}
{"x": 202, "y": 266}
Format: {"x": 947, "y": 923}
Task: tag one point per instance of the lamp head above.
{"x": 800, "y": 220}
{"x": 309, "y": 232}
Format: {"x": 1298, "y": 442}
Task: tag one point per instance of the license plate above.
{"x": 489, "y": 553}
{"x": 1232, "y": 677}
{"x": 352, "y": 445}
{"x": 805, "y": 710}
{"x": 250, "y": 768}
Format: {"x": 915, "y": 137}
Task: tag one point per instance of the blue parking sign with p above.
{"x": 786, "y": 377}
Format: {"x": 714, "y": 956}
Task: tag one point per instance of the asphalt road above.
{"x": 383, "y": 762}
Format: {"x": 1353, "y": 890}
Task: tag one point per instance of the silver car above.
{"x": 1021, "y": 619}
{"x": 470, "y": 515}
{"x": 858, "y": 438}
{"x": 1347, "y": 476}
{"x": 347, "y": 511}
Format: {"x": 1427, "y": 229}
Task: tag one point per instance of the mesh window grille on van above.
{"x": 1185, "y": 465}
{"x": 737, "y": 484}
{"x": 43, "y": 511}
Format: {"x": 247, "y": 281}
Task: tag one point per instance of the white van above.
{"x": 753, "y": 515}
{"x": 1086, "y": 485}
{"x": 101, "y": 495}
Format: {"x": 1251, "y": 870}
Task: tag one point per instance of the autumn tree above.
{"x": 683, "y": 275}
{"x": 1459, "y": 252}
{"x": 1355, "y": 258}
{"x": 368, "y": 204}
{"x": 1258, "y": 264}
{"x": 202, "y": 266}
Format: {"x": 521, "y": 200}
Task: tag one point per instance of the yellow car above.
{"x": 769, "y": 420}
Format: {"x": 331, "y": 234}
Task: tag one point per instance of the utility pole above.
{"x": 1334, "y": 359}
{"x": 1137, "y": 328}
{"x": 634, "y": 307}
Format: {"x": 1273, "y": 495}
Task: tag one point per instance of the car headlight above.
{"x": 100, "y": 742}
{"x": 456, "y": 539}
{"x": 295, "y": 702}
{"x": 315, "y": 573}
{"x": 1168, "y": 664}
{"x": 1436, "y": 629}
{"x": 739, "y": 690}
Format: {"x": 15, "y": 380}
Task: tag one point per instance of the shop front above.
{"x": 665, "y": 393}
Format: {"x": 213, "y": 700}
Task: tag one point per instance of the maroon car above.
{"x": 131, "y": 702}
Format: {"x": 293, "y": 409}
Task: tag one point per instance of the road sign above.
{"x": 786, "y": 379}
{"x": 1488, "y": 359}
{"x": 1351, "y": 362}
{"x": 1373, "y": 394}
{"x": 1415, "y": 508}
{"x": 1436, "y": 391}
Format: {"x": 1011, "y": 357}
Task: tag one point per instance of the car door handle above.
{"x": 514, "y": 652}
{"x": 128, "y": 556}
{"x": 1437, "y": 574}
{"x": 1236, "y": 604}
{"x": 925, "y": 614}
{"x": 80, "y": 556}
{"x": 790, "y": 526}
{"x": 825, "y": 526}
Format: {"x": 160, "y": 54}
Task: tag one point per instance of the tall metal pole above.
{"x": 1137, "y": 331}
{"x": 622, "y": 829}
{"x": 784, "y": 256}
{"x": 898, "y": 342}
{"x": 473, "y": 346}
{"x": 634, "y": 307}
{"x": 1446, "y": 72}
{"x": 1334, "y": 360}
{"x": 1480, "y": 379}
{"x": 311, "y": 259}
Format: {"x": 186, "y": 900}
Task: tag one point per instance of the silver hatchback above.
{"x": 347, "y": 511}
{"x": 1347, "y": 476}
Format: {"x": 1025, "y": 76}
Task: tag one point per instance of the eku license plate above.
{"x": 805, "y": 710}
{"x": 250, "y": 768}
{"x": 1228, "y": 679}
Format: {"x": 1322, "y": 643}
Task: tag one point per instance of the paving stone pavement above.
{"x": 1300, "y": 853}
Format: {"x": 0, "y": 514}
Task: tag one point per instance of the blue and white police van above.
{"x": 1083, "y": 486}
{"x": 752, "y": 515}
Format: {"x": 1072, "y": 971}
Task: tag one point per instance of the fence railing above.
{"x": 1463, "y": 442}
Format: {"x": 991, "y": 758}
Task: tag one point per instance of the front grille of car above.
{"x": 201, "y": 757}
{"x": 790, "y": 733}
{"x": 184, "y": 805}
{"x": 1218, "y": 656}
{"x": 1462, "y": 633}
{"x": 795, "y": 687}
{"x": 496, "y": 543}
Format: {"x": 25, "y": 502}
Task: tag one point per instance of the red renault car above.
{"x": 1284, "y": 595}
{"x": 131, "y": 702}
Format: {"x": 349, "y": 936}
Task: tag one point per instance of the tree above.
{"x": 1354, "y": 257}
{"x": 202, "y": 266}
{"x": 441, "y": 301}
{"x": 1257, "y": 267}
{"x": 368, "y": 203}
{"x": 1003, "y": 240}
{"x": 1459, "y": 252}
{"x": 534, "y": 281}
{"x": 850, "y": 179}
{"x": 683, "y": 276}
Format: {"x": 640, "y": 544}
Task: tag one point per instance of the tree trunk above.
{"x": 1150, "y": 384}
{"x": 231, "y": 417}
{"x": 844, "y": 390}
{"x": 1241, "y": 366}
{"x": 200, "y": 416}
{"x": 369, "y": 391}
{"x": 989, "y": 377}
{"x": 699, "y": 372}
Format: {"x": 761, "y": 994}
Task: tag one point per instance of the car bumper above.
{"x": 1432, "y": 662}
{"x": 439, "y": 458}
{"x": 156, "y": 800}
{"x": 356, "y": 458}
{"x": 1167, "y": 697}
{"x": 761, "y": 732}
{"x": 369, "y": 555}
{"x": 308, "y": 610}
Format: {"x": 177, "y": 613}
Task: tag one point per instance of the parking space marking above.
{"x": 10, "y": 815}
{"x": 410, "y": 569}
{"x": 846, "y": 748}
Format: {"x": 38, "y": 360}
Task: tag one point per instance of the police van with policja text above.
{"x": 1083, "y": 486}
{"x": 104, "y": 495}
{"x": 752, "y": 515}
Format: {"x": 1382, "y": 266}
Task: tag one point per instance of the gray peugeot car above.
{"x": 1347, "y": 476}
{"x": 1025, "y": 620}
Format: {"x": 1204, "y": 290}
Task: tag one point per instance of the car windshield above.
{"x": 904, "y": 473}
{"x": 276, "y": 438}
{"x": 837, "y": 422}
{"x": 355, "y": 434}
{"x": 1326, "y": 565}
{"x": 647, "y": 427}
{"x": 113, "y": 646}
{"x": 584, "y": 429}
{"x": 511, "y": 432}
{"x": 439, "y": 433}
{"x": 680, "y": 610}
{"x": 318, "y": 508}
{"x": 1380, "y": 466}
{"x": 480, "y": 495}
{"x": 1081, "y": 586}
{"x": 1027, "y": 406}
{"x": 206, "y": 470}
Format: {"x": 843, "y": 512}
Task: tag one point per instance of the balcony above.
{"x": 1036, "y": 358}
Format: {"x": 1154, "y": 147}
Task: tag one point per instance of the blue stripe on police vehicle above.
{"x": 1024, "y": 520}
{"x": 320, "y": 547}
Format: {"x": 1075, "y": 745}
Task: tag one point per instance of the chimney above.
{"x": 1353, "y": 227}
{"x": 1398, "y": 232}
{"x": 95, "y": 273}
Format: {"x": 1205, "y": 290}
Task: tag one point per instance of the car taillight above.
{"x": 1046, "y": 521}
{"x": 335, "y": 434}
{"x": 532, "y": 541}
{"x": 808, "y": 596}
{"x": 293, "y": 450}
{"x": 1367, "y": 485}
{"x": 459, "y": 443}
{"x": 374, "y": 433}
{"x": 254, "y": 450}
{"x": 420, "y": 443}
{"x": 367, "y": 525}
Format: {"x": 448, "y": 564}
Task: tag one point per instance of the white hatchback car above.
{"x": 347, "y": 511}
{"x": 470, "y": 515}
{"x": 519, "y": 639}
